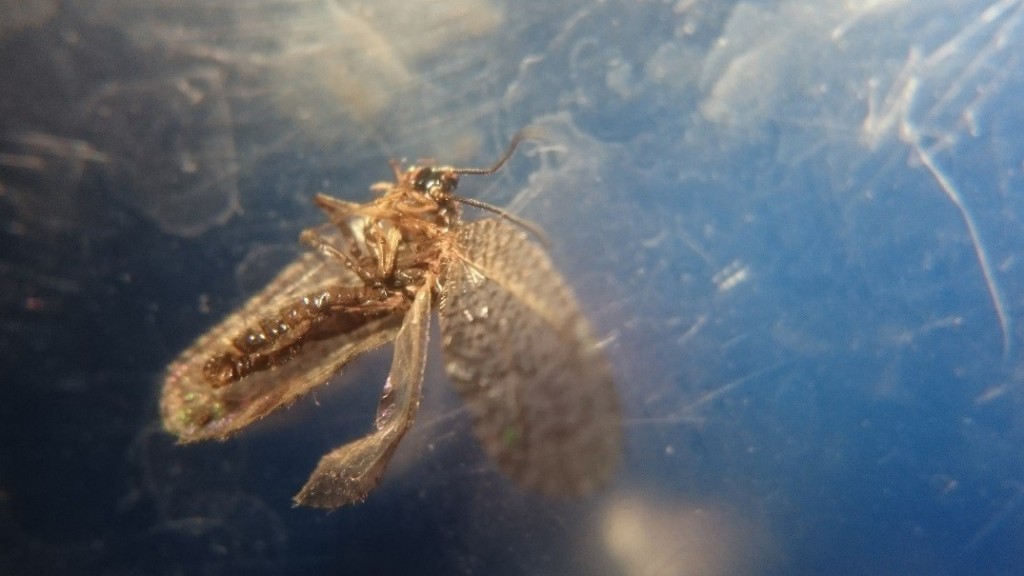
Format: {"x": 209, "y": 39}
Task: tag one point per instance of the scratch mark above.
{"x": 981, "y": 254}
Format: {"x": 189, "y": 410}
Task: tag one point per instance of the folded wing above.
{"x": 347, "y": 474}
{"x": 194, "y": 409}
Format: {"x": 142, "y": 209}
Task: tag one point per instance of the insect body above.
{"x": 516, "y": 346}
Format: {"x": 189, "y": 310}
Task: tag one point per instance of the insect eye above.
{"x": 449, "y": 181}
{"x": 433, "y": 181}
{"x": 424, "y": 179}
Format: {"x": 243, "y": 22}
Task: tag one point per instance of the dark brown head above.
{"x": 437, "y": 183}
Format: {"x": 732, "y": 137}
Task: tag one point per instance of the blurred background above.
{"x": 794, "y": 225}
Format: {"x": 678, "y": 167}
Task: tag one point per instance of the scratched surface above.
{"x": 793, "y": 227}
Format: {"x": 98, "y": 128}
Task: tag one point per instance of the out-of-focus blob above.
{"x": 334, "y": 61}
{"x": 170, "y": 148}
{"x": 355, "y": 62}
{"x": 337, "y": 72}
{"x": 21, "y": 14}
{"x": 761, "y": 46}
{"x": 647, "y": 536}
{"x": 39, "y": 179}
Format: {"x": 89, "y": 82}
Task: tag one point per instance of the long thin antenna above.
{"x": 529, "y": 226}
{"x": 525, "y": 224}
{"x": 519, "y": 137}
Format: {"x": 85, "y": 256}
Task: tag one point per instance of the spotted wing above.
{"x": 347, "y": 474}
{"x": 194, "y": 410}
{"x": 521, "y": 355}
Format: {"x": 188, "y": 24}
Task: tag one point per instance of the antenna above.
{"x": 523, "y": 134}
{"x": 526, "y": 225}
{"x": 519, "y": 137}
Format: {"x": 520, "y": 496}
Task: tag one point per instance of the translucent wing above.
{"x": 347, "y": 474}
{"x": 521, "y": 355}
{"x": 193, "y": 410}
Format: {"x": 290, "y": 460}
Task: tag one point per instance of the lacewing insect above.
{"x": 516, "y": 346}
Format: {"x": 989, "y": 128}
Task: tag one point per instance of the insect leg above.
{"x": 337, "y": 210}
{"x": 310, "y": 237}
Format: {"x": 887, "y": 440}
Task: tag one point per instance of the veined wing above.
{"x": 521, "y": 355}
{"x": 193, "y": 409}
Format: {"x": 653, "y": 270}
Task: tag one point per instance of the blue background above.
{"x": 795, "y": 226}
